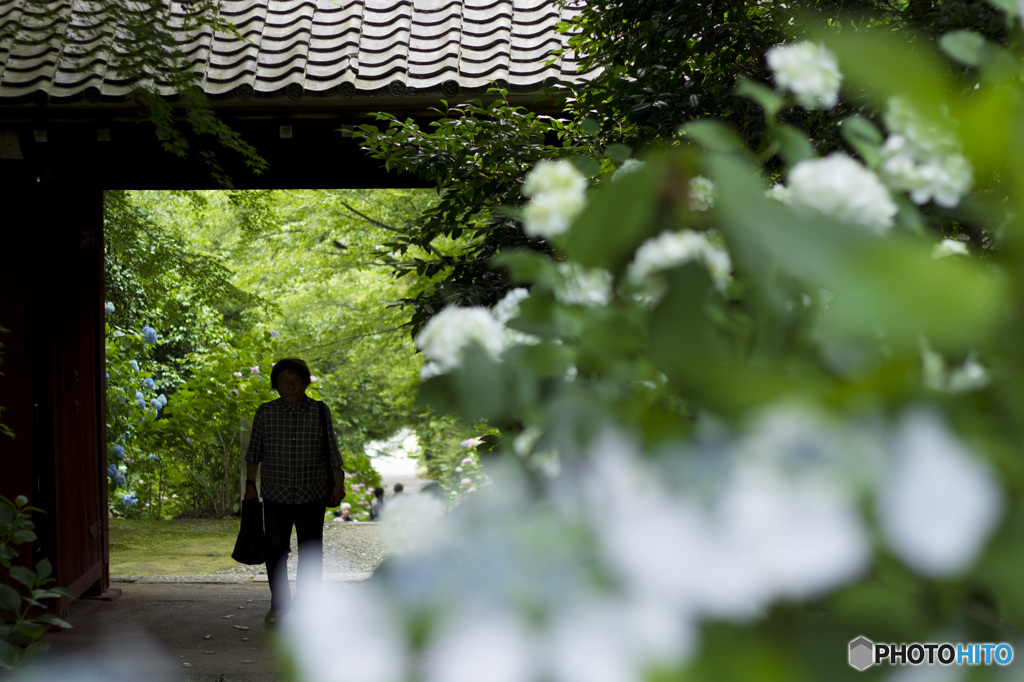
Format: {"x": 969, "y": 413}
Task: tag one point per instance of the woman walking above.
{"x": 294, "y": 449}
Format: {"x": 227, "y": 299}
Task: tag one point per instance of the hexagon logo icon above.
{"x": 862, "y": 653}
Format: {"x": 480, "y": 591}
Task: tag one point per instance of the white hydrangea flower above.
{"x": 780, "y": 193}
{"x": 551, "y": 214}
{"x": 802, "y": 537}
{"x": 554, "y": 177}
{"x": 626, "y": 167}
{"x": 944, "y": 178}
{"x": 558, "y": 190}
{"x": 594, "y": 639}
{"x": 971, "y": 376}
{"x": 580, "y": 286}
{"x": 844, "y": 189}
{"x": 445, "y": 336}
{"x": 949, "y": 247}
{"x": 670, "y": 249}
{"x": 498, "y": 641}
{"x": 923, "y": 155}
{"x": 412, "y": 524}
{"x": 809, "y": 71}
{"x": 376, "y": 650}
{"x": 702, "y": 194}
{"x": 937, "y": 503}
{"x": 507, "y": 308}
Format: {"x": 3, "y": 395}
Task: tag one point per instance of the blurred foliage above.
{"x": 139, "y": 45}
{"x": 23, "y": 593}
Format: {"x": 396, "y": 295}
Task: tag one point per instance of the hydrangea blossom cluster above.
{"x": 627, "y": 167}
{"x": 129, "y": 500}
{"x": 149, "y": 334}
{"x": 949, "y": 247}
{"x": 809, "y": 71}
{"x": 557, "y": 192}
{"x": 506, "y": 310}
{"x": 942, "y": 178}
{"x": 671, "y": 249}
{"x": 844, "y": 189}
{"x": 923, "y": 156}
{"x": 446, "y": 335}
{"x": 582, "y": 286}
{"x": 149, "y": 383}
{"x": 108, "y": 308}
{"x": 772, "y": 515}
{"x": 702, "y": 194}
{"x": 115, "y": 474}
{"x": 119, "y": 452}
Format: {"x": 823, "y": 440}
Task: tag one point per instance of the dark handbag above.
{"x": 325, "y": 448}
{"x": 250, "y": 545}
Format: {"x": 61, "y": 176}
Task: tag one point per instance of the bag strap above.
{"x": 325, "y": 448}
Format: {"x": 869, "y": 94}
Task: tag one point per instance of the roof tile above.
{"x": 310, "y": 45}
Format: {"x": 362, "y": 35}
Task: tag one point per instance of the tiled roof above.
{"x": 341, "y": 48}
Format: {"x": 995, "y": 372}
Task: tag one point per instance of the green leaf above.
{"x": 591, "y": 126}
{"x": 769, "y": 100}
{"x": 712, "y": 135}
{"x": 862, "y": 135}
{"x": 586, "y": 165}
{"x": 23, "y": 536}
{"x": 10, "y": 600}
{"x": 793, "y": 144}
{"x": 23, "y": 575}
{"x": 10, "y": 655}
{"x": 35, "y": 649}
{"x": 618, "y": 152}
{"x": 966, "y": 47}
{"x": 33, "y": 630}
{"x": 50, "y": 619}
{"x": 617, "y": 218}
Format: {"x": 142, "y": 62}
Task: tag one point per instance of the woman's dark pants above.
{"x": 308, "y": 520}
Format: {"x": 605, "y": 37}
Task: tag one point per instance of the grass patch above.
{"x": 188, "y": 547}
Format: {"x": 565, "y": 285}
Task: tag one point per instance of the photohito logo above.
{"x": 864, "y": 653}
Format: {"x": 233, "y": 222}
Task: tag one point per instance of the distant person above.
{"x": 344, "y": 514}
{"x": 434, "y": 489}
{"x": 377, "y": 506}
{"x": 287, "y": 448}
{"x": 399, "y": 488}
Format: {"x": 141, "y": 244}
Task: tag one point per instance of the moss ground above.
{"x": 188, "y": 547}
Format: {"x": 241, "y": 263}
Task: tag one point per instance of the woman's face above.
{"x": 290, "y": 386}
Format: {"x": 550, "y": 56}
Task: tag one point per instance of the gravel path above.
{"x": 351, "y": 551}
{"x": 348, "y": 548}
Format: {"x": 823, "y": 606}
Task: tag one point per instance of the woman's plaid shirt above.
{"x": 288, "y": 443}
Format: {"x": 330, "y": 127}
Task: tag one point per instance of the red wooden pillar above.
{"x": 51, "y": 300}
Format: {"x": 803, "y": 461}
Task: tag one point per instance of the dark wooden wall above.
{"x": 51, "y": 298}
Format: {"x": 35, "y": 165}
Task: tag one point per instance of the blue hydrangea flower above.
{"x": 109, "y": 307}
{"x": 108, "y": 375}
{"x": 163, "y": 400}
{"x": 149, "y": 334}
{"x": 112, "y": 472}
{"x": 120, "y": 481}
{"x": 129, "y": 500}
{"x": 134, "y": 364}
{"x": 142, "y": 403}
{"x": 149, "y": 383}
{"x": 118, "y": 452}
